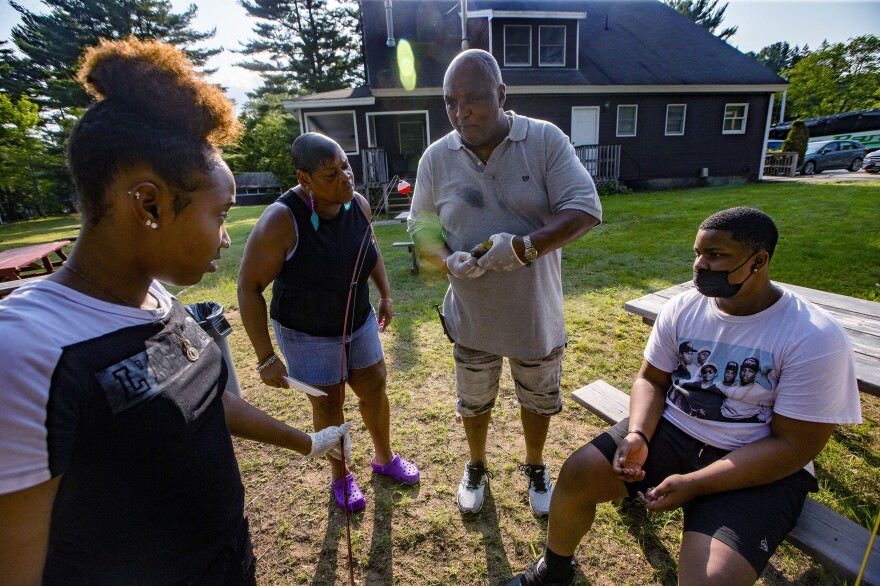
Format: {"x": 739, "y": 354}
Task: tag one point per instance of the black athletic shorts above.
{"x": 753, "y": 521}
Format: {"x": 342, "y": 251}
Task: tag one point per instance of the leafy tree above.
{"x": 796, "y": 140}
{"x": 265, "y": 143}
{"x": 779, "y": 56}
{"x": 23, "y": 190}
{"x": 52, "y": 42}
{"x": 304, "y": 46}
{"x": 836, "y": 78}
{"x": 49, "y": 45}
{"x": 705, "y": 13}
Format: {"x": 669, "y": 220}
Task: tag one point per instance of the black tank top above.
{"x": 310, "y": 293}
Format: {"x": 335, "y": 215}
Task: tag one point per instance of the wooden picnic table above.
{"x": 860, "y": 319}
{"x": 31, "y": 261}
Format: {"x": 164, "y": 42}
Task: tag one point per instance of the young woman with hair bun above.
{"x": 116, "y": 461}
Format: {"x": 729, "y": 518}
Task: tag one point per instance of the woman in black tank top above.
{"x": 315, "y": 244}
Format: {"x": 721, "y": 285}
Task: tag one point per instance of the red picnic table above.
{"x": 31, "y": 261}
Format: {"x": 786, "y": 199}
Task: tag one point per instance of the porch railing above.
{"x": 780, "y": 164}
{"x": 602, "y": 161}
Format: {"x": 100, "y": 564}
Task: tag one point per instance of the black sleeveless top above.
{"x": 310, "y": 293}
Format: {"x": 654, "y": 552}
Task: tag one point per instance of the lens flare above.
{"x": 406, "y": 65}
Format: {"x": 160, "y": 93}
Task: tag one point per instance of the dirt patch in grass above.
{"x": 416, "y": 535}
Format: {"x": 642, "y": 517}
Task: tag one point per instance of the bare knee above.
{"x": 704, "y": 560}
{"x": 368, "y": 383}
{"x": 587, "y": 473}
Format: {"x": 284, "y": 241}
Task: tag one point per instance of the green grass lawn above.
{"x": 830, "y": 240}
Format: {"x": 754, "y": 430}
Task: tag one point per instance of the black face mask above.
{"x": 715, "y": 283}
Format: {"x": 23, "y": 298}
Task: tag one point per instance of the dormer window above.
{"x": 551, "y": 46}
{"x": 520, "y": 39}
{"x": 517, "y": 45}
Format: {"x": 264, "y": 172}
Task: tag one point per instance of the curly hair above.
{"x": 153, "y": 110}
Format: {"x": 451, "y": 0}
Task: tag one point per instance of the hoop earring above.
{"x": 314, "y": 216}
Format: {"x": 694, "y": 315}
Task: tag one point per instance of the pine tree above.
{"x": 52, "y": 42}
{"x": 49, "y": 45}
{"x": 705, "y": 13}
{"x": 779, "y": 56}
{"x": 304, "y": 46}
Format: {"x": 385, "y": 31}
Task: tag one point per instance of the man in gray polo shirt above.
{"x": 516, "y": 182}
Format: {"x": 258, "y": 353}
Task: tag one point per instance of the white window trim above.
{"x": 308, "y": 126}
{"x": 683, "y": 119}
{"x": 564, "y": 44}
{"x": 371, "y": 124}
{"x": 528, "y": 26}
{"x": 745, "y": 118}
{"x": 635, "y": 120}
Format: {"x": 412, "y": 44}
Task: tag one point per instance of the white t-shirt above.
{"x": 793, "y": 359}
{"x": 36, "y": 324}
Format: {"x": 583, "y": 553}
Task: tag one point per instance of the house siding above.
{"x": 640, "y": 52}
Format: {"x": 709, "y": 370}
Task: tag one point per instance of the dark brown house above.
{"x": 669, "y": 103}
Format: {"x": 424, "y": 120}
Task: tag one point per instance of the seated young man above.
{"x": 741, "y": 482}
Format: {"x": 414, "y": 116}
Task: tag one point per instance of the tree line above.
{"x": 298, "y": 47}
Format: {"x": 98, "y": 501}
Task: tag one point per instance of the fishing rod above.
{"x": 402, "y": 187}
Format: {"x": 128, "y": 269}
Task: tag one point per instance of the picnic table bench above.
{"x": 828, "y": 537}
{"x": 860, "y": 319}
{"x": 7, "y": 287}
{"x": 413, "y": 253}
{"x": 31, "y": 261}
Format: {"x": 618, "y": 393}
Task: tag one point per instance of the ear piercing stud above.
{"x": 151, "y": 224}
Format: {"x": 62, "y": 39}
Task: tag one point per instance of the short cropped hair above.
{"x": 750, "y": 227}
{"x": 311, "y": 150}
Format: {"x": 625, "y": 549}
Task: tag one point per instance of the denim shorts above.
{"x": 477, "y": 374}
{"x": 753, "y": 521}
{"x": 316, "y": 359}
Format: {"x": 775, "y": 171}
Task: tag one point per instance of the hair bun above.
{"x": 158, "y": 81}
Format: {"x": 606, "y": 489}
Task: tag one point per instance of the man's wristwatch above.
{"x": 531, "y": 251}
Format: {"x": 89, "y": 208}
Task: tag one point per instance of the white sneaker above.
{"x": 472, "y": 487}
{"x": 540, "y": 488}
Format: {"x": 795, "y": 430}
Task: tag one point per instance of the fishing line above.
{"x": 350, "y": 310}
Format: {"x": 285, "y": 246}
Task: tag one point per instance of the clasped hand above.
{"x": 629, "y": 458}
{"x": 326, "y": 442}
{"x": 463, "y": 265}
{"x": 501, "y": 256}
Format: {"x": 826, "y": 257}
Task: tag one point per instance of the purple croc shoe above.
{"x": 398, "y": 469}
{"x": 356, "y": 499}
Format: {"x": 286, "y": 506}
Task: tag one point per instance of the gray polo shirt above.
{"x": 531, "y": 176}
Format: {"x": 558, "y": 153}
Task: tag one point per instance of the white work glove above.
{"x": 463, "y": 265}
{"x": 501, "y": 257}
{"x": 326, "y": 442}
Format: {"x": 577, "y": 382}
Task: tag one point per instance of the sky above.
{"x": 760, "y": 22}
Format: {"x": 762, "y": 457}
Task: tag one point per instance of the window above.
{"x": 551, "y": 45}
{"x": 675, "y": 114}
{"x": 627, "y": 118}
{"x": 412, "y": 138}
{"x": 735, "y": 118}
{"x": 340, "y": 126}
{"x": 517, "y": 45}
